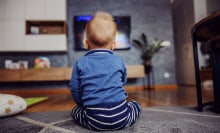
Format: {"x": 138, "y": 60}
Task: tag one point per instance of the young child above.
{"x": 98, "y": 78}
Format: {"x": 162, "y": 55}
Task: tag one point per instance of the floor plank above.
{"x": 61, "y": 99}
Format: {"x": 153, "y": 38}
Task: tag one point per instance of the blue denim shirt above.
{"x": 98, "y": 79}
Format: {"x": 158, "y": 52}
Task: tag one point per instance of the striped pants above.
{"x": 108, "y": 117}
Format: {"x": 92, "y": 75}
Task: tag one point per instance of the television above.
{"x": 122, "y": 36}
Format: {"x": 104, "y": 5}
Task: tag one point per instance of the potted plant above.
{"x": 147, "y": 52}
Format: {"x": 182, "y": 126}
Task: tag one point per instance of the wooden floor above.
{"x": 61, "y": 99}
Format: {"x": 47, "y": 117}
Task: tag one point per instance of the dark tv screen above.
{"x": 122, "y": 36}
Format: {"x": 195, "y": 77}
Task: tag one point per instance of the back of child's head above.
{"x": 101, "y": 29}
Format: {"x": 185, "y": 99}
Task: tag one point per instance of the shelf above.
{"x": 55, "y": 74}
{"x": 46, "y": 74}
{"x": 34, "y": 27}
{"x": 10, "y": 75}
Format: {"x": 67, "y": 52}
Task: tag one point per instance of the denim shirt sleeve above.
{"x": 75, "y": 85}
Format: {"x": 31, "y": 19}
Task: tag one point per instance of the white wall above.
{"x": 200, "y": 10}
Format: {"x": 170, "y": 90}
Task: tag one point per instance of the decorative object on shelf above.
{"x": 42, "y": 62}
{"x": 34, "y": 30}
{"x": 22, "y": 64}
{"x": 8, "y": 64}
{"x": 147, "y": 53}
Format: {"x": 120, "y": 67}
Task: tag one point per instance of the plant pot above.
{"x": 148, "y": 66}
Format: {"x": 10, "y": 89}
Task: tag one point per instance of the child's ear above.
{"x": 85, "y": 42}
{"x": 113, "y": 45}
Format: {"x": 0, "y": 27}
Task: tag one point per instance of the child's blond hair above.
{"x": 101, "y": 29}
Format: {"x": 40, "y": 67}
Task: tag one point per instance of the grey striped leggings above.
{"x": 107, "y": 117}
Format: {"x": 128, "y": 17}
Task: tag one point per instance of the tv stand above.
{"x": 55, "y": 74}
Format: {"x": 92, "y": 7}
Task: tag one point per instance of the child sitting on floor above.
{"x": 98, "y": 78}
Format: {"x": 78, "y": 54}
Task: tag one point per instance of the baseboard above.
{"x": 166, "y": 87}
{"x": 67, "y": 91}
{"x": 156, "y": 87}
{"x": 37, "y": 92}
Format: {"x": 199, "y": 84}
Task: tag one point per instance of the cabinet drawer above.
{"x": 7, "y": 75}
{"x": 45, "y": 74}
{"x": 67, "y": 73}
{"x": 45, "y": 43}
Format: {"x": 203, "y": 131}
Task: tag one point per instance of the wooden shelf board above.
{"x": 55, "y": 74}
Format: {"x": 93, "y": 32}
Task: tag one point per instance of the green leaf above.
{"x": 158, "y": 49}
{"x": 148, "y": 51}
{"x": 144, "y": 38}
{"x": 138, "y": 43}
